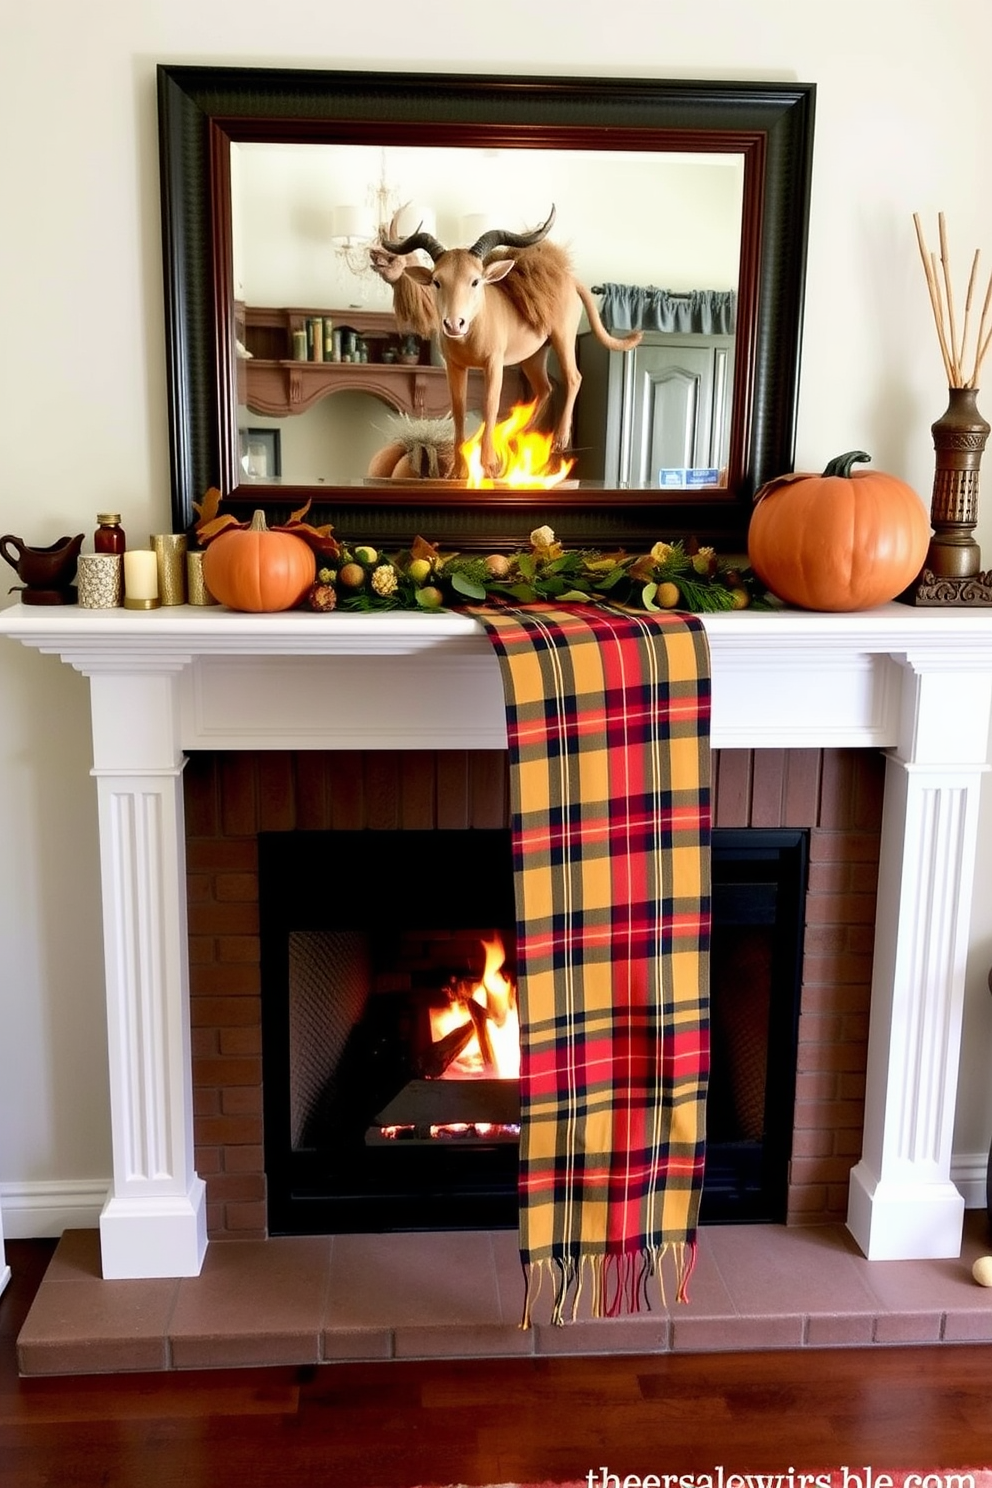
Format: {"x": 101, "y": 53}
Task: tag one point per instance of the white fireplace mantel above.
{"x": 916, "y": 684}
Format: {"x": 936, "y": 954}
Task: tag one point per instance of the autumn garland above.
{"x": 671, "y": 576}
{"x": 677, "y": 575}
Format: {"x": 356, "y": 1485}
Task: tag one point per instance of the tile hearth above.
{"x": 327, "y": 1299}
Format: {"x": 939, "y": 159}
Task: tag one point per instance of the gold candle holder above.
{"x": 196, "y": 588}
{"x": 170, "y": 559}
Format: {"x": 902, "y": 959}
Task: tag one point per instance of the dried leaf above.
{"x": 421, "y": 548}
{"x": 207, "y": 509}
{"x": 207, "y": 531}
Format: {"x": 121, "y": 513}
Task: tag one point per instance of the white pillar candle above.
{"x": 140, "y": 579}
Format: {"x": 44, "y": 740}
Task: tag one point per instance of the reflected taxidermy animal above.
{"x": 495, "y": 312}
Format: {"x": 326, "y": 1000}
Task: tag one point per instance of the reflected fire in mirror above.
{"x": 525, "y": 455}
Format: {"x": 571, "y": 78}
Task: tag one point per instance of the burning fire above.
{"x": 524, "y": 454}
{"x": 489, "y": 1008}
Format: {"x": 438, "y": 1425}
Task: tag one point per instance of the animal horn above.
{"x": 416, "y": 240}
{"x": 497, "y": 238}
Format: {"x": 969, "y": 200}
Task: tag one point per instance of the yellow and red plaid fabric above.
{"x": 608, "y": 731}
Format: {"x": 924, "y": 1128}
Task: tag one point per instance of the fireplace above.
{"x": 915, "y": 684}
{"x": 390, "y": 1040}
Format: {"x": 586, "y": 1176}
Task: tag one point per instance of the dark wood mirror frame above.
{"x": 203, "y": 109}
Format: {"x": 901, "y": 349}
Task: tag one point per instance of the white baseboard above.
{"x": 968, "y": 1174}
{"x": 33, "y": 1211}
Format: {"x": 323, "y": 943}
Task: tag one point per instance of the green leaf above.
{"x": 522, "y": 593}
{"x": 575, "y": 596}
{"x": 527, "y": 564}
{"x": 467, "y": 587}
{"x": 609, "y": 580}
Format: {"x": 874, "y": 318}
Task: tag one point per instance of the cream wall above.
{"x": 904, "y": 123}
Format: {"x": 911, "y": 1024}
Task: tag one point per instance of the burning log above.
{"x": 434, "y": 1060}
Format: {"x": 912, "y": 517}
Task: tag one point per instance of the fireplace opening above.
{"x": 390, "y": 1096}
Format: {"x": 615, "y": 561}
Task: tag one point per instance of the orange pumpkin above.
{"x": 251, "y": 568}
{"x": 844, "y": 540}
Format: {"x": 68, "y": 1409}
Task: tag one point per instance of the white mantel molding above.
{"x": 914, "y": 683}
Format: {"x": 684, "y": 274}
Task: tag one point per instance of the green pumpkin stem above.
{"x": 842, "y": 464}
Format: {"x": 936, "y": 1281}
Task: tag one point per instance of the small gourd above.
{"x": 253, "y": 568}
{"x": 844, "y": 540}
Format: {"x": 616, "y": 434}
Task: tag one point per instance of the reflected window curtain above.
{"x": 628, "y": 307}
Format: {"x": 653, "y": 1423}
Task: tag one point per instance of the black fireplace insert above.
{"x": 388, "y": 1018}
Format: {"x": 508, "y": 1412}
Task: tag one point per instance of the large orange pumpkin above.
{"x": 844, "y": 540}
{"x": 251, "y": 568}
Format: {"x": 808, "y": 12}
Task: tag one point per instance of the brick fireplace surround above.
{"x": 397, "y": 717}
{"x": 230, "y": 797}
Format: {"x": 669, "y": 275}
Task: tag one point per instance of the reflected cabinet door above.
{"x": 667, "y": 410}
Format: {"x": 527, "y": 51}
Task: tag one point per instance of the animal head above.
{"x": 460, "y": 276}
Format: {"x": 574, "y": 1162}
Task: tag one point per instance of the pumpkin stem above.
{"x": 842, "y": 464}
{"x": 259, "y": 524}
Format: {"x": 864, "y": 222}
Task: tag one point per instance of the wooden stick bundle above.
{"x": 939, "y": 284}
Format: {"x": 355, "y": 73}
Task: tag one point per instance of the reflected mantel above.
{"x": 914, "y": 683}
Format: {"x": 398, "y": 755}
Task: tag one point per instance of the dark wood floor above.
{"x": 393, "y": 1425}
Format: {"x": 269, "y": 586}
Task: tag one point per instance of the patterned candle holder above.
{"x": 197, "y": 592}
{"x": 99, "y": 581}
{"x": 170, "y": 559}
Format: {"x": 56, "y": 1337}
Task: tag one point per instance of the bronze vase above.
{"x": 959, "y": 437}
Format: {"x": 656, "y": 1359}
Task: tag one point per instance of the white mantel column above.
{"x": 154, "y": 1220}
{"x": 4, "y": 1268}
{"x": 902, "y": 1202}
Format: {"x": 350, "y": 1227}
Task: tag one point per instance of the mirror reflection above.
{"x": 331, "y": 384}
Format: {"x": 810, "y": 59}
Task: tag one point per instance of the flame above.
{"x": 496, "y": 993}
{"x": 524, "y": 455}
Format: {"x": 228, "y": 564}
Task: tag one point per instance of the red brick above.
{"x": 841, "y": 968}
{"x": 245, "y": 1217}
{"x": 806, "y": 1172}
{"x": 201, "y": 949}
{"x": 236, "y": 888}
{"x": 209, "y": 1160}
{"x": 276, "y": 791}
{"x": 204, "y": 1042}
{"x": 840, "y": 909}
{"x": 840, "y": 1058}
{"x": 230, "y": 980}
{"x": 816, "y": 1028}
{"x": 808, "y": 1197}
{"x": 227, "y": 1072}
{"x": 829, "y": 1115}
{"x": 850, "y": 847}
{"x": 851, "y": 1084}
{"x": 223, "y": 919}
{"x": 229, "y": 1131}
{"x": 812, "y": 1143}
{"x": 816, "y": 1085}
{"x": 238, "y": 1188}
{"x": 241, "y": 1100}
{"x": 247, "y": 1040}
{"x": 222, "y": 854}
{"x": 237, "y": 948}
{"x": 244, "y": 1159}
{"x": 225, "y": 1012}
{"x": 206, "y": 1102}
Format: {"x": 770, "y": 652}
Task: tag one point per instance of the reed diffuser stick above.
{"x": 945, "y": 264}
{"x": 951, "y": 349}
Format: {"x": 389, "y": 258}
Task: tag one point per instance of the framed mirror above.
{"x": 273, "y": 184}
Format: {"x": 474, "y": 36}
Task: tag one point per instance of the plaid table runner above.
{"x": 608, "y": 725}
